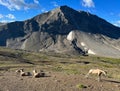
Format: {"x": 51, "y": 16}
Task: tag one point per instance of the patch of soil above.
{"x": 55, "y": 81}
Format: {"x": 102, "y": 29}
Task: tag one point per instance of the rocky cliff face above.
{"x": 63, "y": 30}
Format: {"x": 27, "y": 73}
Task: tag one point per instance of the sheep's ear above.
{"x": 34, "y": 70}
{"x": 17, "y": 71}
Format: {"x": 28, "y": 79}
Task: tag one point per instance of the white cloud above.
{"x": 36, "y": 1}
{"x": 19, "y": 4}
{"x": 3, "y": 21}
{"x": 1, "y": 16}
{"x": 7, "y": 18}
{"x": 117, "y": 23}
{"x": 88, "y": 3}
{"x": 54, "y": 4}
{"x": 10, "y": 16}
{"x": 6, "y": 21}
{"x": 44, "y": 10}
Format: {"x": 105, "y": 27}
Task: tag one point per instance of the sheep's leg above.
{"x": 86, "y": 76}
{"x": 99, "y": 77}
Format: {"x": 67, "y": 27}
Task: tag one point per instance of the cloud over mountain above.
{"x": 10, "y": 16}
{"x": 19, "y": 4}
{"x": 88, "y": 3}
{"x": 7, "y": 18}
{"x": 55, "y": 4}
{"x": 117, "y": 23}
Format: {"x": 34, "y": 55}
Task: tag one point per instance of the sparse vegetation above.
{"x": 80, "y": 86}
{"x": 70, "y": 65}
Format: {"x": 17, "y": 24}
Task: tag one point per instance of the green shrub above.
{"x": 80, "y": 86}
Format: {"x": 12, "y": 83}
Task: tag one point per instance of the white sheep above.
{"x": 22, "y": 73}
{"x": 38, "y": 74}
{"x": 99, "y": 72}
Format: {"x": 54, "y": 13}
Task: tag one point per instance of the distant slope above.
{"x": 63, "y": 30}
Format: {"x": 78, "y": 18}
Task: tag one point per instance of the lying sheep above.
{"x": 22, "y": 73}
{"x": 99, "y": 72}
{"x": 18, "y": 71}
{"x": 38, "y": 74}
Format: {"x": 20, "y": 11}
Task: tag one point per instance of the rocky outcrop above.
{"x": 63, "y": 30}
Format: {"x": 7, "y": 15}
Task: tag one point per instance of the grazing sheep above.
{"x": 22, "y": 73}
{"x": 38, "y": 74}
{"x": 99, "y": 72}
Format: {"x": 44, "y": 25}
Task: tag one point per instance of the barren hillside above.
{"x": 63, "y": 30}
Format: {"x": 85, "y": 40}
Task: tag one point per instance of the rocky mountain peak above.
{"x": 63, "y": 30}
{"x": 63, "y": 8}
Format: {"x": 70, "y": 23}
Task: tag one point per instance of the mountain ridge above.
{"x": 63, "y": 30}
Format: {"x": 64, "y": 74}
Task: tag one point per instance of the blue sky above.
{"x": 18, "y": 10}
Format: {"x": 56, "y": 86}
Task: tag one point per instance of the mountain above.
{"x": 2, "y": 24}
{"x": 63, "y": 30}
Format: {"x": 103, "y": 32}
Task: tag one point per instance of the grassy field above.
{"x": 70, "y": 64}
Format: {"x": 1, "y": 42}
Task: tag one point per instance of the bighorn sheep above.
{"x": 99, "y": 72}
{"x": 38, "y": 74}
{"x": 22, "y": 73}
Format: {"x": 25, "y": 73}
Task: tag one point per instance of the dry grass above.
{"x": 69, "y": 64}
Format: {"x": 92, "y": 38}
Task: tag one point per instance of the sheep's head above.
{"x": 34, "y": 71}
{"x": 20, "y": 70}
{"x": 105, "y": 73}
{"x": 17, "y": 71}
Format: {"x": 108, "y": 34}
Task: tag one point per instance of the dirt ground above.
{"x": 55, "y": 81}
{"x": 63, "y": 72}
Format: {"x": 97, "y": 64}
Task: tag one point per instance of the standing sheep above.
{"x": 99, "y": 72}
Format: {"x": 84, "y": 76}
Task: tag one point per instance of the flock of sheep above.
{"x": 36, "y": 74}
